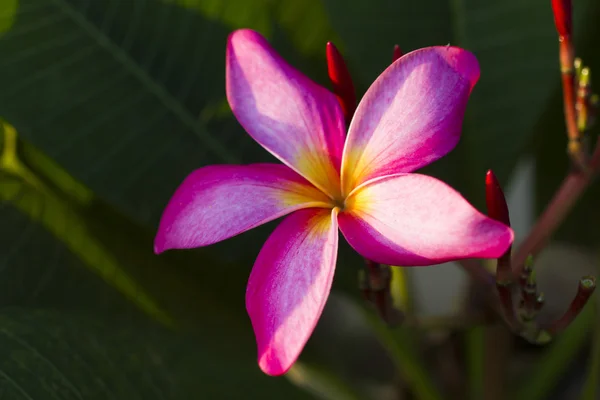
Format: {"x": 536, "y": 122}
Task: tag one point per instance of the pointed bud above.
{"x": 341, "y": 81}
{"x": 498, "y": 210}
{"x": 494, "y": 197}
{"x": 563, "y": 19}
{"x": 397, "y": 53}
{"x": 586, "y": 288}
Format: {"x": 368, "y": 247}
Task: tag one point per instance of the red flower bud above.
{"x": 496, "y": 202}
{"x": 563, "y": 19}
{"x": 498, "y": 210}
{"x": 341, "y": 81}
{"x": 397, "y": 53}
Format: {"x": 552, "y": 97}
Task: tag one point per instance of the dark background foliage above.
{"x": 114, "y": 102}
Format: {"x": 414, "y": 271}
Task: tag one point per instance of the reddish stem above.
{"x": 558, "y": 208}
{"x": 379, "y": 279}
{"x": 567, "y": 58}
{"x": 565, "y": 197}
{"x": 505, "y": 296}
{"x": 586, "y": 288}
{"x": 575, "y": 147}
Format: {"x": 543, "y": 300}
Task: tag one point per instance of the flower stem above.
{"x": 505, "y": 296}
{"x": 586, "y": 288}
{"x": 560, "y": 205}
{"x": 551, "y": 367}
{"x": 567, "y": 58}
{"x": 477, "y": 272}
{"x": 565, "y": 197}
{"x": 576, "y": 112}
{"x": 376, "y": 289}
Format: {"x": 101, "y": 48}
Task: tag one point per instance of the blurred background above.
{"x": 106, "y": 105}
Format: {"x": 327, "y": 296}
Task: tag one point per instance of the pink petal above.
{"x": 298, "y": 121}
{"x": 411, "y": 115}
{"x": 289, "y": 285}
{"x": 220, "y": 201}
{"x": 413, "y": 219}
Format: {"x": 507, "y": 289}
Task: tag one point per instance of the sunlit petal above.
{"x": 298, "y": 121}
{"x": 289, "y": 285}
{"x": 220, "y": 201}
{"x": 411, "y": 115}
{"x": 413, "y": 219}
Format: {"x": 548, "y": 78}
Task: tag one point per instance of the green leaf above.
{"x": 67, "y": 355}
{"x": 28, "y": 193}
{"x": 54, "y": 216}
{"x": 8, "y": 9}
{"x": 516, "y": 46}
{"x": 304, "y": 21}
{"x": 98, "y": 110}
{"x": 321, "y": 382}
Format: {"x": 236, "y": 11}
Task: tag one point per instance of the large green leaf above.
{"x": 96, "y": 345}
{"x": 49, "y": 213}
{"x": 8, "y": 9}
{"x": 114, "y": 113}
{"x": 515, "y": 43}
{"x": 42, "y": 205}
{"x": 68, "y": 355}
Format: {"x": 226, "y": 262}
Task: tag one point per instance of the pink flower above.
{"x": 362, "y": 183}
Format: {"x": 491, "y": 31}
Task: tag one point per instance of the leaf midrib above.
{"x": 154, "y": 87}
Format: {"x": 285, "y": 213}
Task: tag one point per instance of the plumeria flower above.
{"x": 361, "y": 183}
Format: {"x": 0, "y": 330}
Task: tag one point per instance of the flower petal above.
{"x": 220, "y": 201}
{"x": 413, "y": 219}
{"x": 298, "y": 121}
{"x": 411, "y": 115}
{"x": 289, "y": 285}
